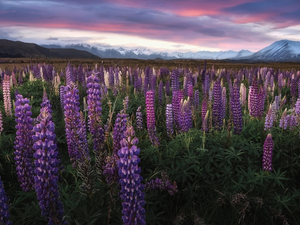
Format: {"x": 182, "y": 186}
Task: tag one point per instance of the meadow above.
{"x": 149, "y": 142}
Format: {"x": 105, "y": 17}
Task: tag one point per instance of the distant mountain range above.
{"x": 148, "y": 54}
{"x": 279, "y": 51}
{"x": 18, "y": 49}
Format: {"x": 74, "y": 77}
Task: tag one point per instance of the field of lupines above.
{"x": 131, "y": 145}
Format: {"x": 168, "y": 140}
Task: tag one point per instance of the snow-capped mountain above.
{"x": 143, "y": 53}
{"x": 279, "y": 51}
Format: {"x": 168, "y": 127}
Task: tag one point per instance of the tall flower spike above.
{"x": 132, "y": 188}
{"x": 151, "y": 117}
{"x": 62, "y": 94}
{"x": 269, "y": 120}
{"x": 160, "y": 92}
{"x": 4, "y": 206}
{"x": 6, "y": 96}
{"x": 217, "y": 106}
{"x": 46, "y": 169}
{"x": 74, "y": 130}
{"x": 1, "y": 123}
{"x": 196, "y": 99}
{"x": 236, "y": 108}
{"x": 224, "y": 102}
{"x": 139, "y": 119}
{"x": 268, "y": 153}
{"x": 169, "y": 120}
{"x": 23, "y": 143}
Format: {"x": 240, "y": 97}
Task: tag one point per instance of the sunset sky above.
{"x": 159, "y": 25}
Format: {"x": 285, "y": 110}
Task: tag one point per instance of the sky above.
{"x": 158, "y": 25}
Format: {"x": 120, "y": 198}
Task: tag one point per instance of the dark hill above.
{"x": 18, "y": 49}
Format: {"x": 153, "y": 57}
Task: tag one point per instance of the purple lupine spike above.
{"x": 1, "y": 123}
{"x": 283, "y": 121}
{"x": 224, "y": 102}
{"x": 206, "y": 84}
{"x": 62, "y": 94}
{"x": 297, "y": 107}
{"x": 74, "y": 130}
{"x": 162, "y": 184}
{"x": 139, "y": 119}
{"x": 69, "y": 76}
{"x": 4, "y": 206}
{"x": 196, "y": 99}
{"x": 46, "y": 169}
{"x": 254, "y": 100}
{"x": 6, "y": 95}
{"x": 110, "y": 169}
{"x": 167, "y": 88}
{"x": 191, "y": 92}
{"x": 117, "y": 76}
{"x": 243, "y": 92}
{"x": 236, "y": 108}
{"x": 268, "y": 153}
{"x": 132, "y": 188}
{"x": 169, "y": 120}
{"x": 299, "y": 86}
{"x": 46, "y": 102}
{"x": 269, "y": 120}
{"x": 175, "y": 80}
{"x": 23, "y": 143}
{"x": 160, "y": 92}
{"x": 111, "y": 80}
{"x": 151, "y": 117}
{"x": 217, "y": 106}
{"x": 204, "y": 108}
{"x": 188, "y": 118}
{"x": 146, "y": 79}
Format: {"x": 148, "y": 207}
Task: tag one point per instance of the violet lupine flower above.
{"x": 217, "y": 106}
{"x": 110, "y": 169}
{"x": 126, "y": 103}
{"x": 261, "y": 102}
{"x": 132, "y": 188}
{"x": 23, "y": 143}
{"x": 146, "y": 79}
{"x": 206, "y": 84}
{"x": 254, "y": 99}
{"x": 160, "y": 92}
{"x": 111, "y": 78}
{"x": 169, "y": 120}
{"x": 204, "y": 122}
{"x": 46, "y": 102}
{"x": 269, "y": 120}
{"x": 191, "y": 92}
{"x": 74, "y": 130}
{"x": 151, "y": 117}
{"x": 117, "y": 76}
{"x": 187, "y": 116}
{"x": 46, "y": 169}
{"x": 1, "y": 123}
{"x": 163, "y": 184}
{"x": 4, "y": 206}
{"x": 6, "y": 95}
{"x": 236, "y": 108}
{"x": 298, "y": 87}
{"x": 175, "y": 80}
{"x": 139, "y": 119}
{"x": 69, "y": 75}
{"x": 204, "y": 108}
{"x": 167, "y": 88}
{"x": 268, "y": 153}
{"x": 243, "y": 93}
{"x": 297, "y": 107}
{"x": 282, "y": 121}
{"x": 196, "y": 99}
{"x": 224, "y": 101}
{"x": 62, "y": 94}
{"x": 292, "y": 121}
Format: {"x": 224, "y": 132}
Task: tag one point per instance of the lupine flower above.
{"x": 139, "y": 119}
{"x": 169, "y": 119}
{"x": 217, "y": 106}
{"x": 146, "y": 79}
{"x": 23, "y": 143}
{"x": 46, "y": 169}
{"x": 291, "y": 121}
{"x": 6, "y": 96}
{"x": 126, "y": 103}
{"x": 254, "y": 100}
{"x": 297, "y": 108}
{"x": 167, "y": 88}
{"x": 191, "y": 92}
{"x": 283, "y": 122}
{"x": 132, "y": 189}
{"x": 268, "y": 153}
{"x": 4, "y": 206}
{"x": 269, "y": 120}
{"x": 111, "y": 80}
{"x": 151, "y": 117}
{"x": 204, "y": 122}
{"x": 162, "y": 184}
{"x": 1, "y": 123}
{"x": 175, "y": 80}
{"x": 243, "y": 92}
{"x": 236, "y": 108}
{"x": 261, "y": 101}
{"x": 224, "y": 102}
{"x": 160, "y": 92}
{"x": 196, "y": 99}
{"x": 74, "y": 130}
{"x": 206, "y": 84}
{"x": 62, "y": 94}
{"x": 69, "y": 75}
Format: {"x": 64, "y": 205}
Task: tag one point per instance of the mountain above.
{"x": 18, "y": 49}
{"x": 148, "y": 54}
{"x": 279, "y": 51}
